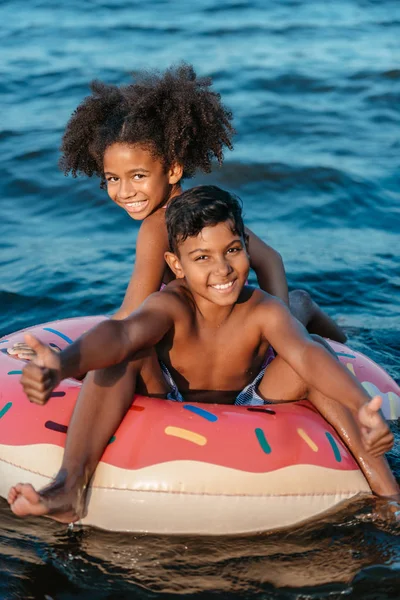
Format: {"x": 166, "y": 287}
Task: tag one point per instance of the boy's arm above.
{"x": 310, "y": 360}
{"x": 268, "y": 266}
{"x": 149, "y": 268}
{"x": 109, "y": 343}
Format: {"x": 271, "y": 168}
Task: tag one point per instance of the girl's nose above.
{"x": 126, "y": 190}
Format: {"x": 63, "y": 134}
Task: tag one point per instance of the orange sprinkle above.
{"x": 307, "y": 440}
{"x": 350, "y": 368}
{"x": 185, "y": 434}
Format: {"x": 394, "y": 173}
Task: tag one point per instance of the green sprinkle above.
{"x": 5, "y": 409}
{"x": 262, "y": 440}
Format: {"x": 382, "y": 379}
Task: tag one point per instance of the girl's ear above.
{"x": 247, "y": 241}
{"x": 175, "y": 173}
{"x": 174, "y": 264}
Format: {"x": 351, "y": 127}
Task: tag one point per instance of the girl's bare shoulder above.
{"x": 153, "y": 231}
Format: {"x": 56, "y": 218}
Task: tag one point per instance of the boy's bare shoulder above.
{"x": 261, "y": 303}
{"x": 255, "y": 296}
{"x": 174, "y": 297}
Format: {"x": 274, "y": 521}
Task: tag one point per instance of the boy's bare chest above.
{"x": 214, "y": 357}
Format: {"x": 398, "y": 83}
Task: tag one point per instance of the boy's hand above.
{"x": 375, "y": 432}
{"x": 43, "y": 373}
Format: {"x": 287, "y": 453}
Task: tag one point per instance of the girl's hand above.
{"x": 22, "y": 351}
{"x": 375, "y": 432}
{"x": 43, "y": 373}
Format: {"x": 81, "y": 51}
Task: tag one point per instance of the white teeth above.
{"x": 223, "y": 286}
{"x": 133, "y": 204}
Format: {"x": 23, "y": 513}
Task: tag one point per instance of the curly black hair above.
{"x": 174, "y": 114}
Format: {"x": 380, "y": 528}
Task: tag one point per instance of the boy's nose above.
{"x": 223, "y": 267}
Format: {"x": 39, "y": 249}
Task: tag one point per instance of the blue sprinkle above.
{"x": 5, "y": 409}
{"x": 4, "y": 341}
{"x": 333, "y": 444}
{"x": 346, "y": 355}
{"x": 62, "y": 335}
{"x": 206, "y": 414}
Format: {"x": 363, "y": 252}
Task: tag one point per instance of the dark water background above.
{"x": 315, "y": 91}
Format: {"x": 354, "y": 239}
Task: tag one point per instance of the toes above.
{"x": 12, "y": 495}
{"x": 29, "y": 492}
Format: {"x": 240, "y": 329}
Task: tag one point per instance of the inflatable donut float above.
{"x": 186, "y": 468}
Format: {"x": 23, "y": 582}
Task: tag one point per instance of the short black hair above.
{"x": 199, "y": 207}
{"x": 175, "y": 114}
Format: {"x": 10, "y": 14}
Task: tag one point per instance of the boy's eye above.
{"x": 233, "y": 250}
{"x": 138, "y": 176}
{"x": 202, "y": 257}
{"x": 111, "y": 179}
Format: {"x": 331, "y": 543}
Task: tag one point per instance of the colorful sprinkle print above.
{"x": 56, "y": 427}
{"x": 262, "y": 409}
{"x": 55, "y": 346}
{"x": 187, "y": 435}
{"x": 334, "y": 446}
{"x": 3, "y": 341}
{"x": 350, "y": 368}
{"x": 61, "y": 335}
{"x": 206, "y": 414}
{"x": 304, "y": 436}
{"x": 392, "y": 397}
{"x": 262, "y": 440}
{"x": 5, "y": 409}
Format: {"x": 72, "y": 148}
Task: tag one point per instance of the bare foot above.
{"x": 53, "y": 501}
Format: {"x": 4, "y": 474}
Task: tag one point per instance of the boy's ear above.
{"x": 174, "y": 264}
{"x": 175, "y": 173}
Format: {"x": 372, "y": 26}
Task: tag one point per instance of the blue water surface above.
{"x": 315, "y": 91}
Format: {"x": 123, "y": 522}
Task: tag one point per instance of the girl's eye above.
{"x": 234, "y": 250}
{"x": 111, "y": 179}
{"x": 202, "y": 257}
{"x": 138, "y": 176}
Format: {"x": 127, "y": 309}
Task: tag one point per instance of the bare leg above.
{"x": 308, "y": 312}
{"x": 282, "y": 384}
{"x": 324, "y": 343}
{"x": 105, "y": 397}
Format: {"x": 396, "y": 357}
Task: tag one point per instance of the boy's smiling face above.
{"x": 214, "y": 263}
{"x": 137, "y": 181}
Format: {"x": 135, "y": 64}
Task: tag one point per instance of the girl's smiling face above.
{"x": 138, "y": 181}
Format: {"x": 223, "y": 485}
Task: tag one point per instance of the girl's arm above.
{"x": 268, "y": 266}
{"x": 150, "y": 266}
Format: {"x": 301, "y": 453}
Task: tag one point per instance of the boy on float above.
{"x": 203, "y": 338}
{"x": 141, "y": 140}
